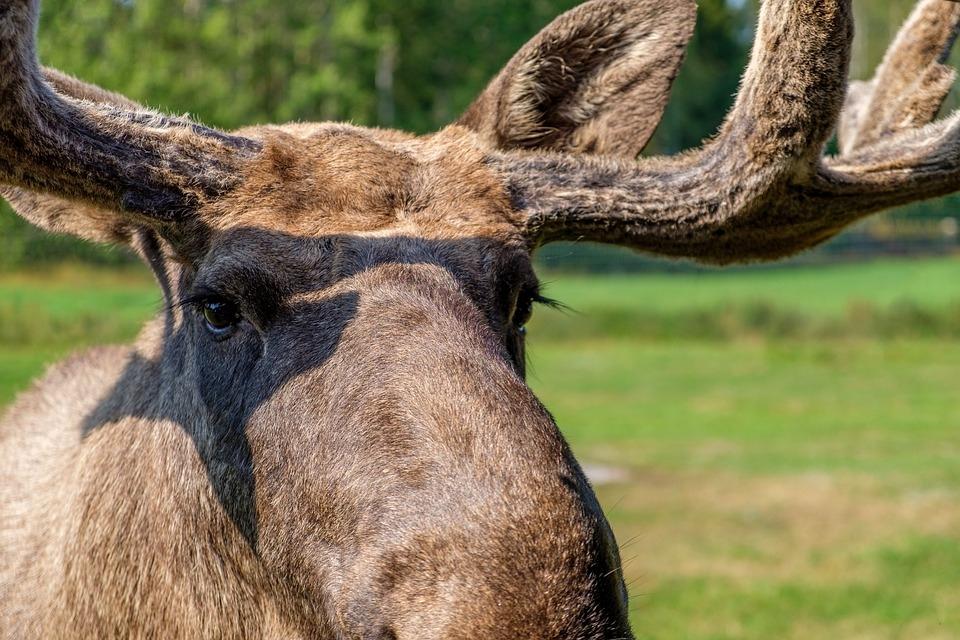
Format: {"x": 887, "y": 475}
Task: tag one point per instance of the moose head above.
{"x": 326, "y": 433}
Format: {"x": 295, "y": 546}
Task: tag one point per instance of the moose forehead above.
{"x": 329, "y": 201}
{"x": 317, "y": 180}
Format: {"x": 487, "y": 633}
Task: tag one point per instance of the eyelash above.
{"x": 198, "y": 299}
{"x": 548, "y": 302}
{"x": 526, "y": 304}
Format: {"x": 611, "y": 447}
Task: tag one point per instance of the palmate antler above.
{"x": 761, "y": 189}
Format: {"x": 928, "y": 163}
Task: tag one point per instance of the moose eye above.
{"x": 220, "y": 316}
{"x": 524, "y": 309}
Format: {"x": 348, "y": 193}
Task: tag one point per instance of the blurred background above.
{"x": 777, "y": 447}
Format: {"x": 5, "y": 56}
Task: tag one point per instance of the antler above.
{"x": 910, "y": 85}
{"x": 59, "y": 215}
{"x": 115, "y": 156}
{"x": 760, "y": 189}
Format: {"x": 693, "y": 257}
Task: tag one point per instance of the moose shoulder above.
{"x": 326, "y": 433}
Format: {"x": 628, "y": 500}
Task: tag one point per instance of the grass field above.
{"x": 786, "y": 442}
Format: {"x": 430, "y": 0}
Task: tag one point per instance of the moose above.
{"x": 326, "y": 432}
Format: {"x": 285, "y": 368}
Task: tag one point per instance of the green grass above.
{"x": 778, "y": 482}
{"x": 45, "y": 316}
{"x": 773, "y": 490}
{"x": 766, "y": 408}
{"x": 72, "y": 305}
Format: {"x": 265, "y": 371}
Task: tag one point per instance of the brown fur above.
{"x": 361, "y": 457}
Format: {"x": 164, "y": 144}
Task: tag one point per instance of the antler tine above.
{"x": 760, "y": 190}
{"x": 892, "y": 155}
{"x": 910, "y": 85}
{"x": 915, "y": 164}
{"x": 115, "y": 157}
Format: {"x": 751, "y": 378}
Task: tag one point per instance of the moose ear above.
{"x": 596, "y": 80}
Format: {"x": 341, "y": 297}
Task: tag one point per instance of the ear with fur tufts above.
{"x": 596, "y": 80}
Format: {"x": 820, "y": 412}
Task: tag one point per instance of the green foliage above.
{"x": 448, "y": 51}
{"x": 415, "y": 65}
{"x": 228, "y": 63}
